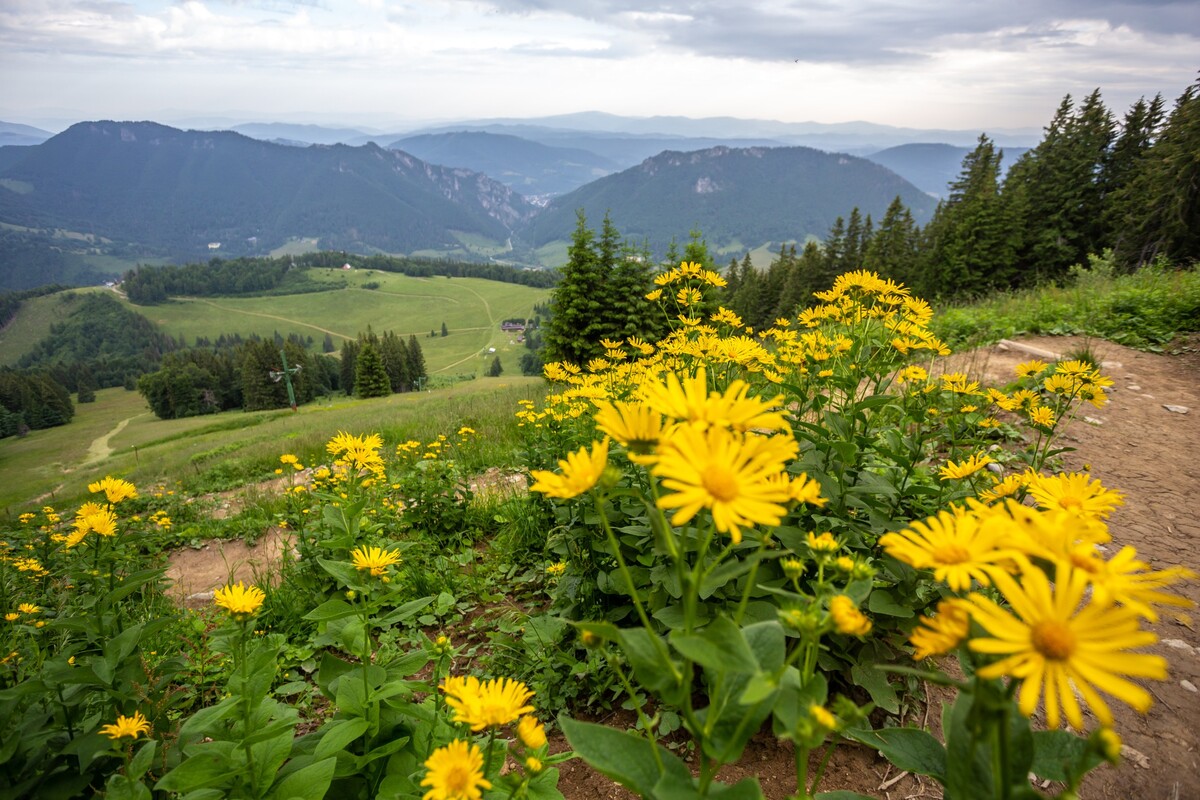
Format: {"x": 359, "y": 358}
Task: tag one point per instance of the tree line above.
{"x": 148, "y": 285}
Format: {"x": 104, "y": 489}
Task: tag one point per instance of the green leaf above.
{"x": 881, "y": 601}
{"x": 201, "y": 723}
{"x": 626, "y": 758}
{"x": 720, "y": 647}
{"x": 141, "y": 762}
{"x": 651, "y": 662}
{"x": 876, "y": 684}
{"x": 269, "y": 756}
{"x": 910, "y": 749}
{"x": 404, "y": 612}
{"x": 210, "y": 766}
{"x": 968, "y": 761}
{"x": 339, "y": 733}
{"x": 345, "y": 573}
{"x": 330, "y": 609}
{"x": 330, "y": 670}
{"x": 309, "y": 783}
{"x": 1059, "y": 754}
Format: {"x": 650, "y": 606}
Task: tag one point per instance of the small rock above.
{"x": 1135, "y": 756}
{"x": 1110, "y": 365}
{"x": 1093, "y": 421}
{"x": 1148, "y": 396}
{"x": 1191, "y": 687}
{"x": 995, "y": 468}
{"x": 199, "y": 597}
{"x": 1179, "y": 644}
{"x": 1133, "y": 387}
{"x": 1175, "y": 409}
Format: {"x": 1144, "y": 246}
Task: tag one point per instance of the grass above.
{"x": 1146, "y": 310}
{"x": 224, "y": 450}
{"x": 32, "y": 324}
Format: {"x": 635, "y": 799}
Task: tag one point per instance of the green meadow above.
{"x": 117, "y": 435}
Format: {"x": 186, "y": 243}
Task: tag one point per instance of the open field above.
{"x": 117, "y": 435}
{"x": 471, "y": 308}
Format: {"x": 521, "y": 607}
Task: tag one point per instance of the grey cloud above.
{"x": 863, "y": 31}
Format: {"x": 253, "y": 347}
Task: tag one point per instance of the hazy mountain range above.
{"x": 136, "y": 190}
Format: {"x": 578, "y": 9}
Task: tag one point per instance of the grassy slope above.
{"x": 223, "y": 449}
{"x": 472, "y": 309}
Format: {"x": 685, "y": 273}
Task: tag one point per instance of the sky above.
{"x": 392, "y": 64}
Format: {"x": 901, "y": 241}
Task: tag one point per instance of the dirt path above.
{"x": 99, "y": 449}
{"x": 269, "y": 316}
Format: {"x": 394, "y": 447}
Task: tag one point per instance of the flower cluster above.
{"x": 1072, "y": 625}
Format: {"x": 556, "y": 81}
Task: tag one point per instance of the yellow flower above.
{"x": 912, "y": 374}
{"x": 1126, "y": 580}
{"x": 959, "y": 547}
{"x": 966, "y": 469}
{"x": 803, "y": 490}
{"x": 825, "y": 543}
{"x": 1042, "y": 417}
{"x": 655, "y": 295}
{"x": 556, "y": 569}
{"x": 12, "y": 616}
{"x": 728, "y": 473}
{"x": 239, "y": 599}
{"x": 581, "y": 471}
{"x": 847, "y": 618}
{"x": 1059, "y": 642}
{"x": 793, "y": 568}
{"x": 690, "y": 400}
{"x": 1007, "y": 487}
{"x": 533, "y": 765}
{"x": 455, "y": 772}
{"x": 114, "y": 489}
{"x": 486, "y": 704}
{"x": 28, "y": 608}
{"x": 127, "y": 726}
{"x": 376, "y": 560}
{"x": 822, "y": 717}
{"x": 1075, "y": 492}
{"x": 1029, "y": 368}
{"x": 531, "y": 733}
{"x": 941, "y": 633}
{"x": 635, "y": 425}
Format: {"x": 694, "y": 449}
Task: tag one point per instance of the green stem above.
{"x": 816, "y": 781}
{"x": 246, "y": 711}
{"x": 487, "y": 763}
{"x": 801, "y": 771}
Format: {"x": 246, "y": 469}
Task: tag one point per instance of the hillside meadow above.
{"x": 117, "y": 435}
{"x": 471, "y": 308}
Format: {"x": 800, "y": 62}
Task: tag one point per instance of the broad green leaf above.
{"x": 330, "y": 609}
{"x": 200, "y": 723}
{"x": 652, "y": 665}
{"x": 876, "y": 684}
{"x": 626, "y": 758}
{"x": 210, "y": 766}
{"x": 404, "y": 612}
{"x": 1056, "y": 754}
{"x": 881, "y": 601}
{"x": 910, "y": 749}
{"x": 143, "y": 759}
{"x": 720, "y": 647}
{"x": 269, "y": 756}
{"x": 309, "y": 783}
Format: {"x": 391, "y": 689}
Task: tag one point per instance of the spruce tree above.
{"x": 370, "y": 377}
{"x": 578, "y": 322}
{"x": 893, "y": 249}
{"x": 346, "y": 371}
{"x": 416, "y": 361}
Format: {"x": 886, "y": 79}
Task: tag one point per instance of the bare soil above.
{"x": 1133, "y": 444}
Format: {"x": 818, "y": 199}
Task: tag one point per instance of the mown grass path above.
{"x": 267, "y": 316}
{"x": 99, "y": 449}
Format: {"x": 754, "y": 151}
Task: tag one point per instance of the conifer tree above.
{"x": 346, "y": 371}
{"x": 893, "y": 249}
{"x": 416, "y": 361}
{"x": 577, "y": 325}
{"x": 370, "y": 377}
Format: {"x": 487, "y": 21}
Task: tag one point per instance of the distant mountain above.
{"x": 932, "y": 167}
{"x": 308, "y": 134}
{"x": 15, "y": 133}
{"x": 178, "y": 191}
{"x": 740, "y": 198}
{"x": 622, "y": 149}
{"x": 856, "y": 137}
{"x": 529, "y": 167}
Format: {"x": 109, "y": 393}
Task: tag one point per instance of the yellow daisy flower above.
{"x": 1057, "y": 643}
{"x": 847, "y": 618}
{"x": 1075, "y": 492}
{"x": 531, "y": 733}
{"x": 127, "y": 726}
{"x": 488, "y": 703}
{"x": 635, "y": 425}
{"x": 375, "y": 560}
{"x": 114, "y": 489}
{"x": 455, "y": 772}
{"x": 958, "y": 546}
{"x": 727, "y": 473}
{"x": 581, "y": 471}
{"x": 238, "y": 598}
{"x": 954, "y": 472}
{"x": 941, "y": 633}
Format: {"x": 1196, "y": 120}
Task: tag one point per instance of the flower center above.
{"x": 1053, "y": 640}
{"x": 951, "y": 553}
{"x": 458, "y": 781}
{"x": 1071, "y": 503}
{"x": 720, "y": 483}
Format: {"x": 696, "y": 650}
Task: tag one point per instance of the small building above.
{"x": 347, "y": 267}
{"x": 512, "y": 327}
{"x": 214, "y": 245}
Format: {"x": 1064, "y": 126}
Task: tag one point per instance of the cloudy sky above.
{"x": 385, "y": 63}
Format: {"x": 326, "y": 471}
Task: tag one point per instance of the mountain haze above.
{"x": 933, "y": 167}
{"x": 739, "y": 198}
{"x": 529, "y": 167}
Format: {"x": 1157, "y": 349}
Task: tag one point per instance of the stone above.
{"x": 1175, "y": 409}
{"x": 1133, "y": 387}
{"x": 1093, "y": 421}
{"x": 1191, "y": 687}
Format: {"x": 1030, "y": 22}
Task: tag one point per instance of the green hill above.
{"x": 741, "y": 197}
{"x": 180, "y": 193}
{"x": 932, "y": 167}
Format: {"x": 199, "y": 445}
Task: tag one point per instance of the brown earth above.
{"x": 1134, "y": 445}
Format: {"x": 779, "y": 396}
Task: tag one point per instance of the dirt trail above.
{"x": 99, "y": 449}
